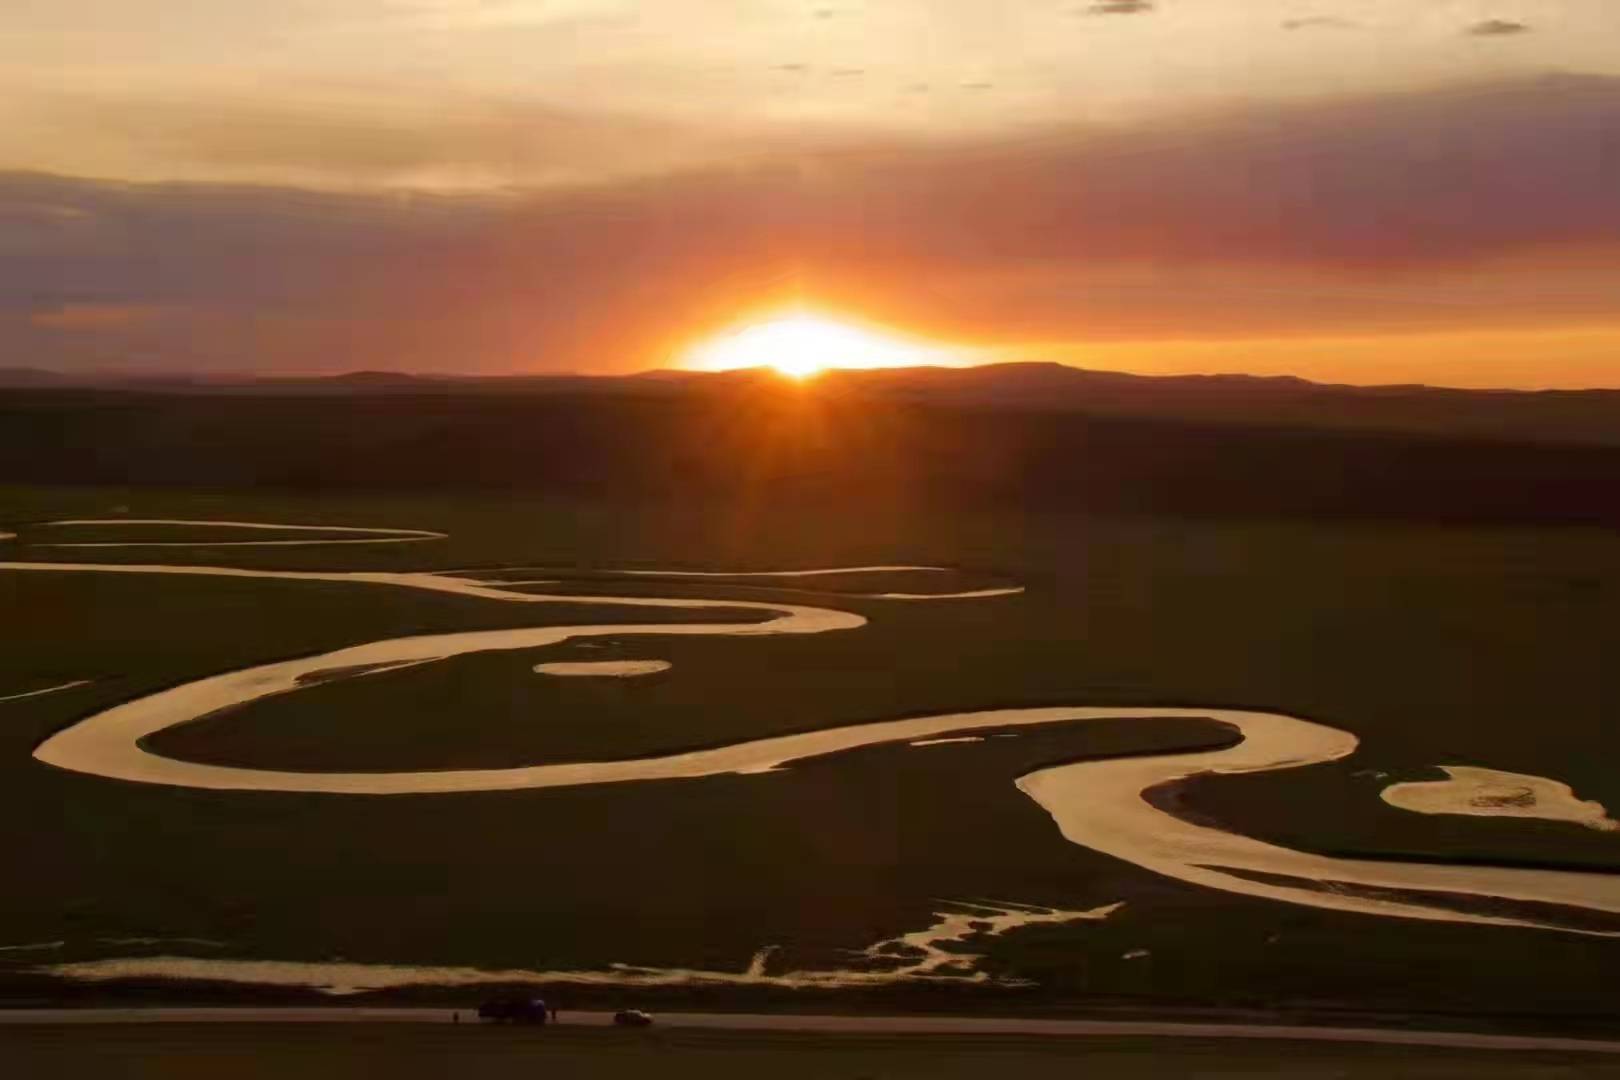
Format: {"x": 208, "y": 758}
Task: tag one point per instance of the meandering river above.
{"x": 1102, "y": 805}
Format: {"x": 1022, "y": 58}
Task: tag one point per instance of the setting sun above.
{"x": 800, "y": 346}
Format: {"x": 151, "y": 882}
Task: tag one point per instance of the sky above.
{"x": 1361, "y": 191}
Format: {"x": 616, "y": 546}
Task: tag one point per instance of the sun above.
{"x": 801, "y": 345}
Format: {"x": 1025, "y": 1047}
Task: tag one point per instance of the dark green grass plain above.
{"x": 315, "y": 1052}
{"x": 1463, "y": 645}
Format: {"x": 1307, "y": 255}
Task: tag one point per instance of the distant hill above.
{"x": 1580, "y": 416}
{"x": 1589, "y": 417}
{"x": 1011, "y": 441}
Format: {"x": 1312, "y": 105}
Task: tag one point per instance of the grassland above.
{"x": 1436, "y": 645}
{"x": 250, "y": 1052}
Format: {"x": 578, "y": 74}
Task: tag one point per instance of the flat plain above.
{"x": 1469, "y": 644}
{"x": 180, "y": 1052}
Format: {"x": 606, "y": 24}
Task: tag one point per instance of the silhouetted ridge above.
{"x": 1280, "y": 401}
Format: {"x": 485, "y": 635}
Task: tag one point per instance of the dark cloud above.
{"x": 1498, "y": 28}
{"x": 1394, "y": 179}
{"x": 1119, "y": 7}
{"x": 1241, "y": 223}
{"x": 1319, "y": 22}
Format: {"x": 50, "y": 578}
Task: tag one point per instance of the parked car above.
{"x": 632, "y": 1018}
{"x": 513, "y": 1010}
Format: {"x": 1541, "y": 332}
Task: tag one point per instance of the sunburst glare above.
{"x": 800, "y": 345}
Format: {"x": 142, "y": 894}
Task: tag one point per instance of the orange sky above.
{"x": 1368, "y": 191}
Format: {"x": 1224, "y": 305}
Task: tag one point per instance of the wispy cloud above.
{"x": 361, "y": 141}
{"x": 1498, "y": 28}
{"x": 442, "y": 94}
{"x": 1120, "y": 7}
{"x": 94, "y": 317}
{"x": 1319, "y": 22}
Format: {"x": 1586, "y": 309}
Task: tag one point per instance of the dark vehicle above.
{"x": 513, "y": 1010}
{"x": 632, "y": 1018}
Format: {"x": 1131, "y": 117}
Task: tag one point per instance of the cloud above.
{"x": 1119, "y": 7}
{"x": 93, "y": 316}
{"x": 352, "y": 142}
{"x": 109, "y": 247}
{"x": 1497, "y": 28}
{"x": 1438, "y": 209}
{"x": 1319, "y": 22}
{"x": 1399, "y": 179}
